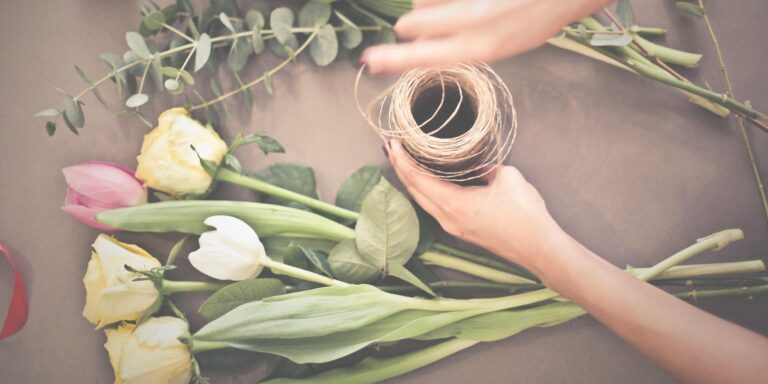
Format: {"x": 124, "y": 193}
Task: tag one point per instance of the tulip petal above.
{"x": 223, "y": 264}
{"x": 87, "y": 216}
{"x": 105, "y": 183}
{"x": 236, "y": 232}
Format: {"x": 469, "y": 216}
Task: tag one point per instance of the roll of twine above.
{"x": 465, "y": 153}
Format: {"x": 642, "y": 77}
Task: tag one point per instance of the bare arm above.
{"x": 509, "y": 217}
{"x": 450, "y": 31}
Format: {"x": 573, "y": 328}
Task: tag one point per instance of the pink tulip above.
{"x": 95, "y": 186}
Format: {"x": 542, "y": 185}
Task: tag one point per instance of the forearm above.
{"x": 687, "y": 342}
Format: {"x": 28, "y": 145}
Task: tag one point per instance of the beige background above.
{"x": 627, "y": 166}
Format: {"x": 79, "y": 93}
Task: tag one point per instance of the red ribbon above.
{"x": 18, "y": 310}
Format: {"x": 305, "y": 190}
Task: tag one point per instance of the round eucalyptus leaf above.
{"x": 351, "y": 35}
{"x": 257, "y": 42}
{"x": 254, "y": 18}
{"x": 177, "y": 59}
{"x": 48, "y": 112}
{"x": 281, "y": 21}
{"x": 136, "y": 100}
{"x": 155, "y": 20}
{"x": 138, "y": 45}
{"x": 203, "y": 51}
{"x": 325, "y": 46}
{"x": 73, "y": 112}
{"x": 172, "y": 85}
{"x": 239, "y": 53}
{"x": 131, "y": 57}
{"x": 314, "y": 14}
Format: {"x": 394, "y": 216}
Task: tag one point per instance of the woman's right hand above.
{"x": 507, "y": 216}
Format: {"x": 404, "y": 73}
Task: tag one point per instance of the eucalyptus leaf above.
{"x": 174, "y": 72}
{"x": 347, "y": 264}
{"x": 239, "y": 53}
{"x": 48, "y": 112}
{"x": 50, "y": 128}
{"x": 268, "y": 84}
{"x": 257, "y": 42}
{"x": 325, "y": 46}
{"x": 138, "y": 45}
{"x": 227, "y": 23}
{"x": 171, "y": 13}
{"x": 625, "y": 13}
{"x": 73, "y": 112}
{"x": 136, "y": 100}
{"x": 298, "y": 178}
{"x": 171, "y": 85}
{"x": 351, "y": 35}
{"x": 130, "y": 57}
{"x": 155, "y": 71}
{"x": 177, "y": 59}
{"x": 234, "y": 295}
{"x": 116, "y": 63}
{"x": 386, "y": 36}
{"x": 154, "y": 20}
{"x": 91, "y": 85}
{"x": 285, "y": 50}
{"x": 354, "y": 189}
{"x": 281, "y": 20}
{"x": 69, "y": 125}
{"x": 203, "y": 51}
{"x": 314, "y": 14}
{"x": 400, "y": 272}
{"x": 606, "y": 40}
{"x": 254, "y": 18}
{"x": 387, "y": 231}
{"x": 691, "y": 8}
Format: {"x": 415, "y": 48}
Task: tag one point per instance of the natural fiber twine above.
{"x": 472, "y": 152}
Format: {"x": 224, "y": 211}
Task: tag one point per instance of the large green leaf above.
{"x": 227, "y": 360}
{"x": 347, "y": 265}
{"x": 298, "y": 178}
{"x": 356, "y": 187}
{"x": 316, "y": 258}
{"x": 399, "y": 271}
{"x": 234, "y": 295}
{"x": 387, "y": 231}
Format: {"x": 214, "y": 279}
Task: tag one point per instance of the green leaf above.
{"x": 347, "y": 264}
{"x": 48, "y": 112}
{"x": 155, "y": 70}
{"x": 281, "y": 21}
{"x": 239, "y": 53}
{"x": 314, "y": 14}
{"x": 232, "y": 296}
{"x": 625, "y": 13}
{"x": 606, "y": 40}
{"x": 294, "y": 177}
{"x": 73, "y": 112}
{"x": 155, "y": 20}
{"x": 268, "y": 84}
{"x": 50, "y": 128}
{"x": 90, "y": 85}
{"x": 171, "y": 12}
{"x": 69, "y": 125}
{"x": 227, "y": 23}
{"x": 203, "y": 51}
{"x": 351, "y": 35}
{"x": 428, "y": 228}
{"x": 138, "y": 45}
{"x": 356, "y": 187}
{"x": 266, "y": 143}
{"x": 318, "y": 259}
{"x": 284, "y": 51}
{"x": 136, "y": 100}
{"x": 173, "y": 87}
{"x": 227, "y": 359}
{"x": 173, "y": 72}
{"x": 254, "y": 18}
{"x": 693, "y": 9}
{"x": 399, "y": 271}
{"x": 232, "y": 161}
{"x": 115, "y": 62}
{"x": 387, "y": 231}
{"x": 257, "y": 42}
{"x": 325, "y": 46}
{"x": 177, "y": 59}
{"x": 421, "y": 270}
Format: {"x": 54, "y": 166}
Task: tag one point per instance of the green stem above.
{"x": 376, "y": 369}
{"x": 725, "y": 292}
{"x": 232, "y": 177}
{"x": 668, "y": 55}
{"x": 488, "y": 261}
{"x": 457, "y": 284}
{"x": 648, "y": 31}
{"x": 471, "y": 268}
{"x": 170, "y": 287}
{"x": 729, "y": 84}
{"x": 699, "y": 270}
{"x": 302, "y": 274}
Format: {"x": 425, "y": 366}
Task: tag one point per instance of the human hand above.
{"x": 507, "y": 216}
{"x": 450, "y": 31}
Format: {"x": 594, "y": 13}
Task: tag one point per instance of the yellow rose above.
{"x": 151, "y": 353}
{"x": 167, "y": 162}
{"x": 112, "y": 294}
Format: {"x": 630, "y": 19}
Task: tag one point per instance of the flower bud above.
{"x": 150, "y": 353}
{"x": 232, "y": 252}
{"x": 94, "y": 187}
{"x": 112, "y": 294}
{"x": 167, "y": 161}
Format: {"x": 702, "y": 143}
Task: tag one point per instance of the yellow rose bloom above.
{"x": 167, "y": 162}
{"x": 112, "y": 295}
{"x": 150, "y": 353}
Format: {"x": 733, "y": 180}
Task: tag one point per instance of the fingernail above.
{"x": 384, "y": 149}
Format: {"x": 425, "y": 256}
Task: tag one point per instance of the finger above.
{"x": 418, "y": 4}
{"x": 398, "y": 57}
{"x": 431, "y": 187}
{"x": 445, "y": 19}
{"x": 433, "y": 209}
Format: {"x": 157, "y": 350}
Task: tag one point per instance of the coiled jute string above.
{"x": 454, "y": 122}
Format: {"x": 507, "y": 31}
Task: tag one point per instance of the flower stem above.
{"x": 457, "y": 284}
{"x": 729, "y": 84}
{"x": 474, "y": 269}
{"x": 171, "y": 287}
{"x": 302, "y": 274}
{"x": 489, "y": 261}
{"x": 232, "y": 177}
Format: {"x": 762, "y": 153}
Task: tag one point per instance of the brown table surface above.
{"x": 628, "y": 167}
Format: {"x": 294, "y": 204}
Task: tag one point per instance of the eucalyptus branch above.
{"x": 740, "y": 119}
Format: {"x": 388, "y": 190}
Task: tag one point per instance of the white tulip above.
{"x": 231, "y": 252}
